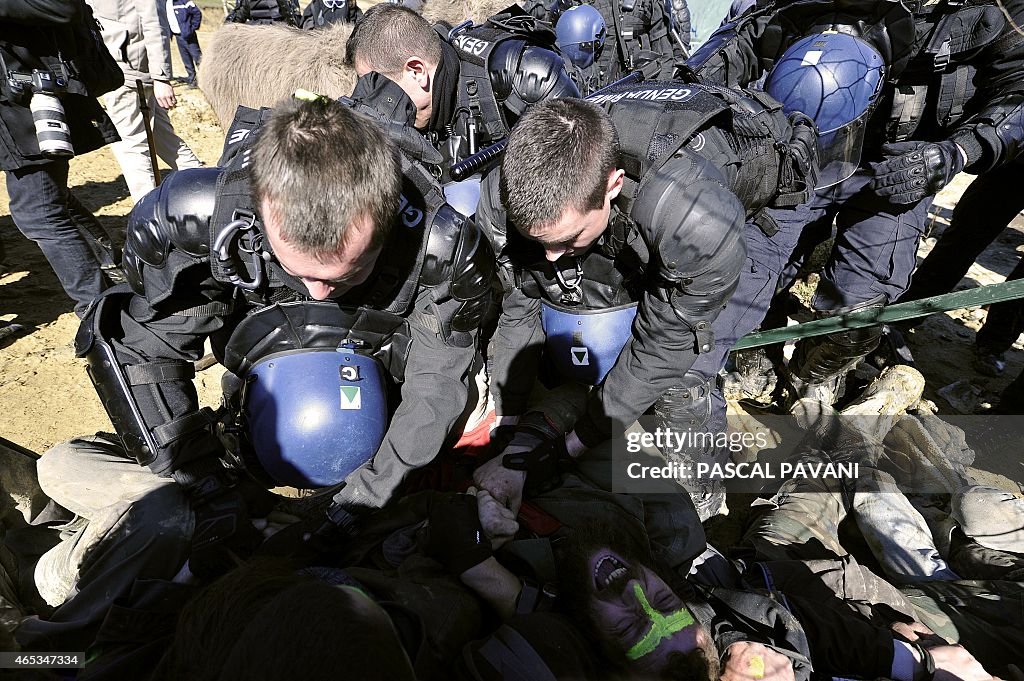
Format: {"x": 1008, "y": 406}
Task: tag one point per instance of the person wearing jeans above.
{"x": 46, "y": 211}
{"x": 43, "y": 37}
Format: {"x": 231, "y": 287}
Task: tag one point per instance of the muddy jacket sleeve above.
{"x": 843, "y": 643}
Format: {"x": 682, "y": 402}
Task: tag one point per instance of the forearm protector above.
{"x": 726, "y": 58}
{"x": 538, "y": 448}
{"x": 995, "y": 136}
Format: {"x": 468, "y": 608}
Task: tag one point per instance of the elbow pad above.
{"x": 176, "y": 215}
{"x": 995, "y": 137}
{"x": 525, "y": 75}
{"x": 459, "y": 265}
{"x": 697, "y": 227}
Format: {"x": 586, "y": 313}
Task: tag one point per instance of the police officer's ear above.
{"x": 615, "y": 179}
{"x": 419, "y": 70}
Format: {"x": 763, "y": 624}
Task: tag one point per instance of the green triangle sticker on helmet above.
{"x": 350, "y": 397}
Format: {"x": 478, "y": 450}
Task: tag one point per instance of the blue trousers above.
{"x": 875, "y": 249}
{"x": 873, "y": 256}
{"x": 46, "y": 212}
{"x": 191, "y": 54}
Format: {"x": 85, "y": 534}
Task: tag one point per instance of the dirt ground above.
{"x": 45, "y": 394}
{"x": 46, "y": 397}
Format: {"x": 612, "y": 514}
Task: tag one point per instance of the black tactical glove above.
{"x": 798, "y": 170}
{"x": 501, "y": 436}
{"x": 538, "y": 448}
{"x": 456, "y": 538}
{"x": 223, "y": 535}
{"x": 913, "y": 171}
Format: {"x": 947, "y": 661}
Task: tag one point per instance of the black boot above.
{"x": 819, "y": 365}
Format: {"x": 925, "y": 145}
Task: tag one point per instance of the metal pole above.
{"x": 975, "y": 297}
{"x": 140, "y": 90}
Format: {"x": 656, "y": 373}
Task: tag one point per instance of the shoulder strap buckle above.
{"x": 241, "y": 236}
{"x": 468, "y": 23}
{"x": 941, "y": 59}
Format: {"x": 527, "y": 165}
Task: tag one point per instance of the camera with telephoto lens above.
{"x": 41, "y": 91}
{"x": 51, "y": 124}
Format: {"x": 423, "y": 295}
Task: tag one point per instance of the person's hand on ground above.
{"x": 749, "y": 661}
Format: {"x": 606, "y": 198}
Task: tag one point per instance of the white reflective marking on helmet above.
{"x": 811, "y": 58}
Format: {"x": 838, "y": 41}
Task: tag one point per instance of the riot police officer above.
{"x": 468, "y": 85}
{"x": 320, "y": 13}
{"x": 341, "y": 292}
{"x": 622, "y": 231}
{"x": 581, "y": 34}
{"x": 947, "y": 93}
{"x": 647, "y": 35}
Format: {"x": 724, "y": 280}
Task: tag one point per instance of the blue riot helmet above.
{"x": 580, "y": 35}
{"x": 314, "y": 415}
{"x": 463, "y": 196}
{"x": 414, "y": 5}
{"x": 583, "y": 345}
{"x": 835, "y": 79}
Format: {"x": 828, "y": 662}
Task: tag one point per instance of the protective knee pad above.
{"x": 689, "y": 409}
{"x": 823, "y": 358}
{"x": 687, "y": 405}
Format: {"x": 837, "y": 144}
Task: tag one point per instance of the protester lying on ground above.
{"x": 610, "y": 589}
{"x": 915, "y": 467}
{"x": 794, "y": 538}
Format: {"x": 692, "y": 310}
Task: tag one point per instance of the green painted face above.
{"x": 662, "y": 626}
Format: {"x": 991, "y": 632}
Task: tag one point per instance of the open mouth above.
{"x": 607, "y": 571}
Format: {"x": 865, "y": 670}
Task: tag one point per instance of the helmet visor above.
{"x": 584, "y": 53}
{"x": 839, "y": 152}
